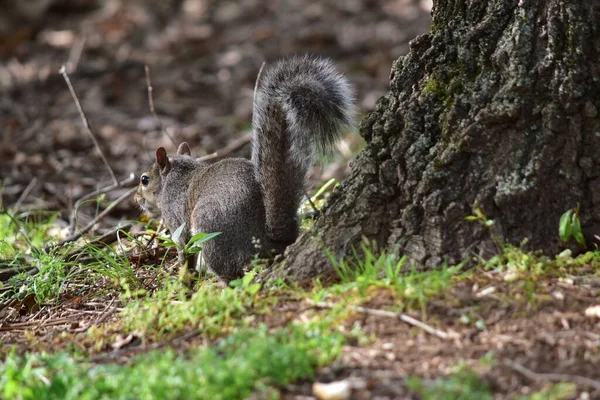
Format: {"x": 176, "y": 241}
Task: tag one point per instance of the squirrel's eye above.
{"x": 145, "y": 180}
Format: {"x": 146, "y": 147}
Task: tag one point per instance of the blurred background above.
{"x": 204, "y": 57}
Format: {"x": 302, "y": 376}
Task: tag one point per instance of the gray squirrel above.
{"x": 301, "y": 107}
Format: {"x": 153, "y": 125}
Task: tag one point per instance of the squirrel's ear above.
{"x": 161, "y": 158}
{"x": 184, "y": 149}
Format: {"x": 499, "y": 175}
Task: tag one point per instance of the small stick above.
{"x": 240, "y": 142}
{"x": 535, "y": 376}
{"x": 382, "y": 313}
{"x": 107, "y": 312}
{"x": 138, "y": 349}
{"x": 231, "y": 147}
{"x": 98, "y": 218}
{"x": 244, "y": 140}
{"x": 75, "y": 54}
{"x": 88, "y": 196}
{"x": 36, "y": 325}
{"x": 7, "y": 273}
{"x": 260, "y": 71}
{"x": 24, "y": 195}
{"x": 103, "y": 315}
{"x": 151, "y": 105}
{"x": 103, "y": 241}
{"x": 312, "y": 205}
{"x": 86, "y": 124}
{"x": 8, "y": 303}
{"x": 209, "y": 157}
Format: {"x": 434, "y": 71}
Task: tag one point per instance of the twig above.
{"x": 139, "y": 349}
{"x": 187, "y": 336}
{"x": 75, "y": 54}
{"x": 535, "y": 376}
{"x": 7, "y": 273}
{"x": 103, "y": 315}
{"x": 312, "y": 205}
{"x": 231, "y": 147}
{"x": 25, "y": 325}
{"x": 209, "y": 157}
{"x": 389, "y": 314}
{"x": 86, "y": 124}
{"x": 107, "y": 312}
{"x": 151, "y": 105}
{"x": 96, "y": 192}
{"x": 244, "y": 140}
{"x": 111, "y": 236}
{"x": 587, "y": 334}
{"x": 24, "y": 195}
{"x": 8, "y": 303}
{"x": 256, "y": 85}
{"x": 98, "y": 218}
{"x": 103, "y": 241}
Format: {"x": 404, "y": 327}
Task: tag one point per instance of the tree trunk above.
{"x": 495, "y": 109}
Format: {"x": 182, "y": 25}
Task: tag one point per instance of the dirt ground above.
{"x": 534, "y": 341}
{"x": 204, "y": 57}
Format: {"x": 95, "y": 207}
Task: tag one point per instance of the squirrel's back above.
{"x": 302, "y": 107}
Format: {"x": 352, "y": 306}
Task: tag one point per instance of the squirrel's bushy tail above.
{"x": 302, "y": 105}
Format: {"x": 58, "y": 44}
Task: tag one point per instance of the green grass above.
{"x": 248, "y": 361}
{"x": 413, "y": 288}
{"x": 559, "y": 391}
{"x": 516, "y": 260}
{"x": 210, "y": 308}
{"x": 461, "y": 385}
{"x": 245, "y": 357}
{"x": 58, "y": 278}
{"x": 464, "y": 383}
{"x": 20, "y": 236}
{"x": 26, "y": 242}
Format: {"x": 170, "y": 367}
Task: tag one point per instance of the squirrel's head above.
{"x": 151, "y": 181}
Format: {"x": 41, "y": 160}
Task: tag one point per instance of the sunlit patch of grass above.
{"x": 19, "y": 236}
{"x": 112, "y": 264}
{"x": 211, "y": 308}
{"x": 316, "y": 201}
{"x": 413, "y": 288}
{"x": 462, "y": 384}
{"x": 558, "y": 391}
{"x": 528, "y": 272}
{"x": 517, "y": 260}
{"x": 57, "y": 277}
{"x": 53, "y": 272}
{"x": 249, "y": 361}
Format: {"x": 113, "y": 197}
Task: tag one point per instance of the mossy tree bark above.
{"x": 495, "y": 109}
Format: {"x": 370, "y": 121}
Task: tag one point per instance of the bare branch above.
{"x": 86, "y": 124}
{"x": 313, "y": 206}
{"x": 151, "y": 105}
{"x": 24, "y": 195}
{"x": 106, "y": 189}
{"x": 389, "y": 314}
{"x": 535, "y": 376}
{"x": 98, "y": 218}
{"x": 256, "y": 84}
{"x": 75, "y": 54}
{"x": 208, "y": 157}
{"x": 244, "y": 140}
{"x": 233, "y": 146}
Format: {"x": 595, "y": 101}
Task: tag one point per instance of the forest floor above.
{"x": 112, "y": 318}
